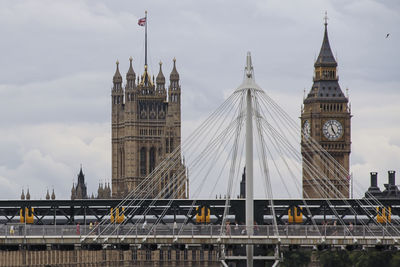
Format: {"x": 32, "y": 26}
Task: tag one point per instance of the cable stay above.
{"x": 215, "y": 153}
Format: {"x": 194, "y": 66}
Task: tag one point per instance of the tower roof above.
{"x": 81, "y": 177}
{"x": 160, "y": 77}
{"x": 117, "y": 76}
{"x": 174, "y": 73}
{"x": 130, "y": 75}
{"x": 326, "y": 86}
{"x": 325, "y": 57}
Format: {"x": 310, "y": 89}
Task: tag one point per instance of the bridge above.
{"x": 216, "y": 152}
{"x": 84, "y": 211}
{"x": 286, "y": 235}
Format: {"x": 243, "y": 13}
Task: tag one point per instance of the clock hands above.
{"x": 333, "y": 130}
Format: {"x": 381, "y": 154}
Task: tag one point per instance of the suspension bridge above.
{"x": 248, "y": 130}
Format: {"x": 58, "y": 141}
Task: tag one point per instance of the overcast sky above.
{"x": 58, "y": 59}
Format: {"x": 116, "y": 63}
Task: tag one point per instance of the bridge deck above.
{"x": 301, "y": 235}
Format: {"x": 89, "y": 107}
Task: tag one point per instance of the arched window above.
{"x": 152, "y": 159}
{"x": 143, "y": 161}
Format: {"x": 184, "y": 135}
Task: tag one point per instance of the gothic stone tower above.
{"x": 146, "y": 128}
{"x": 326, "y": 118}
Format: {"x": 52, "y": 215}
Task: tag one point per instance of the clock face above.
{"x": 306, "y": 129}
{"x": 332, "y": 130}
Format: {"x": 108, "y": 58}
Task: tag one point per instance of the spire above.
{"x": 100, "y": 191}
{"x": 108, "y": 191}
{"x": 47, "y": 195}
{"x": 325, "y": 57}
{"x": 117, "y": 76}
{"x": 81, "y": 177}
{"x": 53, "y": 195}
{"x": 130, "y": 75}
{"x": 174, "y": 76}
{"x": 22, "y": 195}
{"x": 28, "y": 195}
{"x": 326, "y": 81}
{"x": 73, "y": 192}
{"x": 160, "y": 77}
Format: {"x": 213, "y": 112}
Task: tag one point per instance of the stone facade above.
{"x": 146, "y": 129}
{"x": 326, "y": 118}
{"x": 108, "y": 258}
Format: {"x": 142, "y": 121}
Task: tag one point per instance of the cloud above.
{"x": 51, "y": 155}
{"x": 59, "y": 58}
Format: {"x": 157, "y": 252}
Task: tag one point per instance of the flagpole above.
{"x": 145, "y": 39}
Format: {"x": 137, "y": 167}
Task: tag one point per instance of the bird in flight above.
{"x": 387, "y": 35}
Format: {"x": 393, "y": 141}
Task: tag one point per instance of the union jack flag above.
{"x": 142, "y": 21}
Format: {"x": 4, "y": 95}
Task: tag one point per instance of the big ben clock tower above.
{"x": 325, "y": 118}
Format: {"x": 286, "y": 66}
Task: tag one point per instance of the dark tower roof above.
{"x": 325, "y": 57}
{"x": 81, "y": 177}
{"x": 160, "y": 76}
{"x": 130, "y": 75}
{"x": 80, "y": 190}
{"x": 326, "y": 86}
{"x": 174, "y": 73}
{"x": 117, "y": 76}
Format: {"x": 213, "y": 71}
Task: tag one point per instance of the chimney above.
{"x": 374, "y": 179}
{"x": 392, "y": 179}
{"x": 373, "y": 190}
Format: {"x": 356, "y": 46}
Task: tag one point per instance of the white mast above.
{"x": 249, "y": 77}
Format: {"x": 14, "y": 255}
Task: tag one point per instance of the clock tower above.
{"x": 325, "y": 122}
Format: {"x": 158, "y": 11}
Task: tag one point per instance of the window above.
{"x": 169, "y": 255}
{"x": 148, "y": 254}
{"x": 134, "y": 255}
{"x": 143, "y": 161}
{"x": 193, "y": 255}
{"x": 152, "y": 159}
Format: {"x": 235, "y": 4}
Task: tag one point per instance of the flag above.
{"x": 142, "y": 21}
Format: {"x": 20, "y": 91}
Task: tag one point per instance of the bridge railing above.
{"x": 198, "y": 230}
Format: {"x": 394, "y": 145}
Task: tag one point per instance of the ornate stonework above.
{"x": 146, "y": 127}
{"x": 326, "y": 118}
